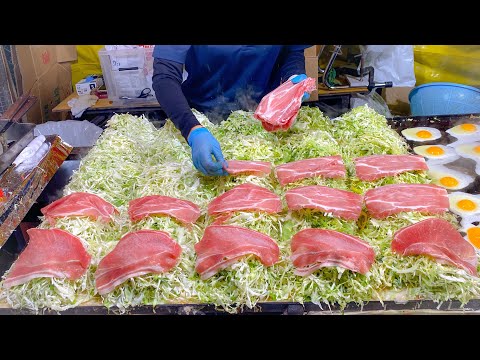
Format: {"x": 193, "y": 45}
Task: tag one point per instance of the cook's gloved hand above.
{"x": 296, "y": 79}
{"x": 204, "y": 145}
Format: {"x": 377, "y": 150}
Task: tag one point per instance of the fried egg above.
{"x": 421, "y": 134}
{"x": 464, "y": 204}
{"x": 472, "y": 235}
{"x": 469, "y": 150}
{"x": 448, "y": 178}
{"x": 436, "y": 152}
{"x": 465, "y": 133}
{"x": 464, "y": 130}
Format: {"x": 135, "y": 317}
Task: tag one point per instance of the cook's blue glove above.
{"x": 204, "y": 145}
{"x": 296, "y": 79}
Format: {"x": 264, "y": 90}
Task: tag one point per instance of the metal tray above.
{"x": 17, "y": 137}
{"x": 23, "y": 186}
{"x": 416, "y": 307}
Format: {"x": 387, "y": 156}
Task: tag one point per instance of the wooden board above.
{"x": 109, "y": 104}
{"x": 324, "y": 91}
{"x": 105, "y": 104}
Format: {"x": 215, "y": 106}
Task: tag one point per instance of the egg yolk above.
{"x": 437, "y": 150}
{"x": 473, "y": 235}
{"x": 468, "y": 127}
{"x": 477, "y": 149}
{"x": 424, "y": 134}
{"x": 467, "y": 205}
{"x": 448, "y": 181}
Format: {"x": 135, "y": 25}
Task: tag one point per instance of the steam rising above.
{"x": 245, "y": 99}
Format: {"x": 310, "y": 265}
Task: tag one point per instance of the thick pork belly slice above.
{"x": 343, "y": 204}
{"x": 373, "y": 167}
{"x": 246, "y": 197}
{"x": 137, "y": 253}
{"x": 244, "y": 167}
{"x": 79, "y": 204}
{"x": 438, "y": 239}
{"x": 223, "y": 245}
{"x": 387, "y": 200}
{"x": 327, "y": 166}
{"x": 313, "y": 249}
{"x": 279, "y": 108}
{"x": 49, "y": 253}
{"x": 183, "y": 210}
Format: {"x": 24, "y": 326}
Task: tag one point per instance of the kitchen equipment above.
{"x": 328, "y": 73}
{"x": 15, "y": 112}
{"x": 21, "y": 186}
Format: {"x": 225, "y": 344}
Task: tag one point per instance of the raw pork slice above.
{"x": 313, "y": 249}
{"x": 373, "y": 167}
{"x": 79, "y": 204}
{"x": 49, "y": 253}
{"x": 436, "y": 238}
{"x": 327, "y": 166}
{"x": 183, "y": 210}
{"x": 137, "y": 253}
{"x": 279, "y": 108}
{"x": 246, "y": 197}
{"x": 244, "y": 167}
{"x": 219, "y": 220}
{"x": 393, "y": 199}
{"x": 341, "y": 203}
{"x": 223, "y": 245}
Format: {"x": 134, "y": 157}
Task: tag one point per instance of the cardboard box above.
{"x": 66, "y": 53}
{"x": 84, "y": 87}
{"x": 312, "y": 51}
{"x": 311, "y": 70}
{"x": 397, "y": 100}
{"x": 45, "y": 71}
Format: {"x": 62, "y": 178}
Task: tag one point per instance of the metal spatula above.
{"x": 17, "y": 110}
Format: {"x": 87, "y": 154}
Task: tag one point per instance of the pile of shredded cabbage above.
{"x": 132, "y": 159}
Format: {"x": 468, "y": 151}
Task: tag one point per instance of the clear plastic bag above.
{"x": 447, "y": 63}
{"x": 373, "y": 100}
{"x": 393, "y": 63}
{"x": 75, "y": 133}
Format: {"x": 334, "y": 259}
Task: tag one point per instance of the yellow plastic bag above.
{"x": 447, "y": 63}
{"x": 87, "y": 63}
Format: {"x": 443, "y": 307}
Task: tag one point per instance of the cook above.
{"x": 216, "y": 80}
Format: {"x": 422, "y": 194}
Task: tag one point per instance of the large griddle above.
{"x": 292, "y": 308}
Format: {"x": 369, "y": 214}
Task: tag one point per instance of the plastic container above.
{"x": 128, "y": 72}
{"x": 443, "y": 98}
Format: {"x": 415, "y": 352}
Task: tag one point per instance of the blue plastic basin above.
{"x": 443, "y": 98}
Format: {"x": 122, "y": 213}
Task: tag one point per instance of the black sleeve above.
{"x": 292, "y": 62}
{"x": 167, "y": 81}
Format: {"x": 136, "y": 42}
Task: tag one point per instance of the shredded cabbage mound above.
{"x": 416, "y": 277}
{"x": 362, "y": 132}
{"x": 310, "y": 119}
{"x": 133, "y": 159}
{"x": 411, "y": 177}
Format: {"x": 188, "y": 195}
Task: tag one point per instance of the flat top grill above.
{"x": 442, "y": 123}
